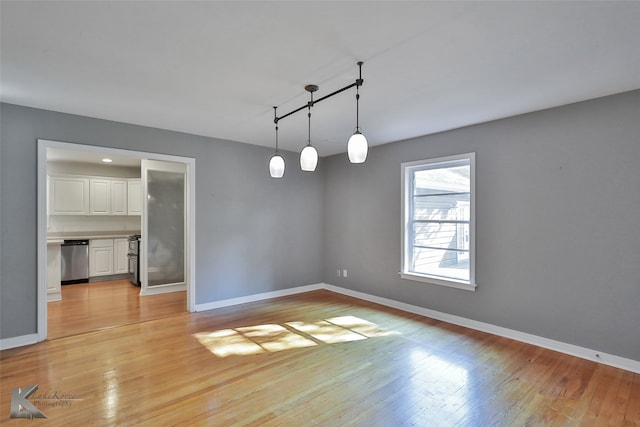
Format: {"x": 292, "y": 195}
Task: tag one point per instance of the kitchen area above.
{"x": 93, "y": 220}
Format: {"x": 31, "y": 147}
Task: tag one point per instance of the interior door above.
{"x": 163, "y": 255}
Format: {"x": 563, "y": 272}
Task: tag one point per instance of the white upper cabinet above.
{"x": 90, "y": 195}
{"x": 69, "y": 196}
{"x": 118, "y": 197}
{"x": 100, "y": 196}
{"x": 134, "y": 197}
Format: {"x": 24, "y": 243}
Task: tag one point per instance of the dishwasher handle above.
{"x": 75, "y": 242}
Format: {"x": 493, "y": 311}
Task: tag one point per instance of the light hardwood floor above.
{"x": 91, "y": 306}
{"x": 317, "y": 358}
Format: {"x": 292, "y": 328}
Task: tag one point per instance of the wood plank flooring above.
{"x": 91, "y": 306}
{"x": 313, "y": 359}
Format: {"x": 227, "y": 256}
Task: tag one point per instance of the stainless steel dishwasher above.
{"x": 75, "y": 262}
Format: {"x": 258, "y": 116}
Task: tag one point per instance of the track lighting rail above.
{"x": 312, "y": 88}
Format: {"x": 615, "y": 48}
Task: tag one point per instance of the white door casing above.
{"x": 43, "y": 145}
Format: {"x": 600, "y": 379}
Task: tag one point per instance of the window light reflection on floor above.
{"x": 274, "y": 337}
{"x": 439, "y": 384}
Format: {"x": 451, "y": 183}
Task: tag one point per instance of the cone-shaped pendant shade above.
{"x": 276, "y": 166}
{"x": 357, "y": 148}
{"x": 309, "y": 158}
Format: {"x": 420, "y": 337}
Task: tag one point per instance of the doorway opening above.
{"x": 142, "y": 307}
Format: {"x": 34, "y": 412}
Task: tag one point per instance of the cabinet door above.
{"x": 134, "y": 197}
{"x": 101, "y": 257}
{"x": 68, "y": 196}
{"x": 100, "y": 200}
{"x": 120, "y": 260}
{"x": 53, "y": 272}
{"x": 118, "y": 197}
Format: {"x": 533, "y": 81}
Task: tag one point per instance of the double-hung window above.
{"x": 438, "y": 223}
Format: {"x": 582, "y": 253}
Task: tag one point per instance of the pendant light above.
{"x": 276, "y": 164}
{"x": 309, "y": 155}
{"x": 357, "y": 146}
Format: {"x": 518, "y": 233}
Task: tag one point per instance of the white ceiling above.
{"x": 216, "y": 68}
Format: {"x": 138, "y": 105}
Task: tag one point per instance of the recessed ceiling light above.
{"x": 107, "y": 160}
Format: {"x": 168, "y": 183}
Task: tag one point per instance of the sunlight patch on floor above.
{"x": 270, "y": 338}
{"x": 438, "y": 384}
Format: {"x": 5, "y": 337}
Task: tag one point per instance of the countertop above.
{"x": 88, "y": 235}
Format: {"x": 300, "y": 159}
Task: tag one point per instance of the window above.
{"x": 438, "y": 221}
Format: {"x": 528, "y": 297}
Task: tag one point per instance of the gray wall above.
{"x": 558, "y": 203}
{"x": 249, "y": 227}
{"x": 558, "y": 223}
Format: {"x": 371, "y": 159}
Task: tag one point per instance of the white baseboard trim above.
{"x": 258, "y": 297}
{"x": 20, "y": 341}
{"x": 162, "y": 289}
{"x": 570, "y": 349}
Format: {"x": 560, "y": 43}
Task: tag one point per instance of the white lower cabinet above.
{"x": 53, "y": 272}
{"x": 120, "y": 260}
{"x": 100, "y": 257}
{"x": 108, "y": 257}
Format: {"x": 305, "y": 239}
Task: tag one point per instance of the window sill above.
{"x": 451, "y": 283}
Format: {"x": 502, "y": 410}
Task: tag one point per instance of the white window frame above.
{"x": 407, "y": 191}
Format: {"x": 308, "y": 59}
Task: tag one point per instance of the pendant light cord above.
{"x": 275, "y": 120}
{"x": 359, "y": 82}
{"x": 357, "y": 108}
{"x": 309, "y": 115}
{"x": 309, "y": 134}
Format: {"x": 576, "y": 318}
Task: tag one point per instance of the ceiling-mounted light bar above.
{"x": 357, "y": 147}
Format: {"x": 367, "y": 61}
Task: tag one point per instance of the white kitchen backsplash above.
{"x": 62, "y": 223}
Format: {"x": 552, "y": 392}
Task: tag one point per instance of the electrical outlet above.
{"x": 338, "y": 273}
{"x": 344, "y": 273}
